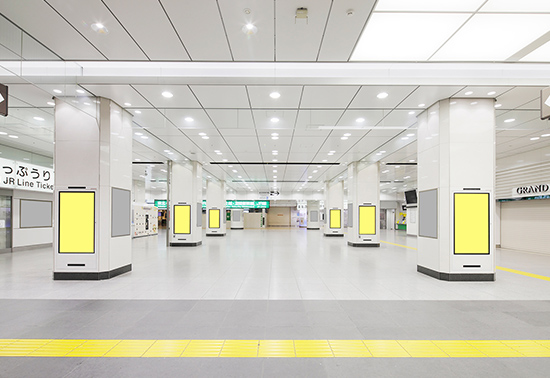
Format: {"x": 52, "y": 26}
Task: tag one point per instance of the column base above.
{"x": 313, "y": 228}
{"x": 363, "y": 244}
{"x": 237, "y": 228}
{"x": 456, "y": 276}
{"x": 190, "y": 244}
{"x": 335, "y": 235}
{"x": 215, "y": 234}
{"x": 91, "y": 276}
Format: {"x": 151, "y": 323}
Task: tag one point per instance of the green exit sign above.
{"x": 161, "y": 204}
{"x": 243, "y": 204}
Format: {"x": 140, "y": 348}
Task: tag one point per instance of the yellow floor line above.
{"x": 275, "y": 348}
{"x": 399, "y": 245}
{"x": 524, "y": 273}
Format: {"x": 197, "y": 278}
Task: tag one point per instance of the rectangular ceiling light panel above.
{"x": 493, "y": 37}
{"x": 405, "y": 36}
{"x": 428, "y": 5}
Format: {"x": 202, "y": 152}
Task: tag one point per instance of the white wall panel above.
{"x": 525, "y": 225}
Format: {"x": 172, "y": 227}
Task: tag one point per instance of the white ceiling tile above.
{"x": 200, "y": 119}
{"x": 334, "y": 47}
{"x": 200, "y": 27}
{"x": 232, "y": 119}
{"x": 428, "y": 95}
{"x": 367, "y": 96}
{"x": 182, "y": 96}
{"x": 260, "y": 96}
{"x": 264, "y": 119}
{"x": 132, "y": 15}
{"x": 352, "y": 118}
{"x": 331, "y": 97}
{"x": 311, "y": 119}
{"x": 227, "y": 96}
{"x": 59, "y": 36}
{"x": 121, "y": 94}
{"x": 257, "y": 46}
{"x": 116, "y": 44}
{"x": 428, "y": 5}
{"x": 298, "y": 39}
{"x": 530, "y": 6}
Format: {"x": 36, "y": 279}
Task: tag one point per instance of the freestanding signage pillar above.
{"x": 364, "y": 205}
{"x": 92, "y": 196}
{"x": 215, "y": 209}
{"x": 334, "y": 209}
{"x": 456, "y": 173}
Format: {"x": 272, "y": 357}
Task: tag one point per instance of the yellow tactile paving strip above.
{"x": 275, "y": 348}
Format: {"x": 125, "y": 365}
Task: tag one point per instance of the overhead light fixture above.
{"x": 382, "y": 95}
{"x": 274, "y": 160}
{"x": 51, "y": 103}
{"x": 468, "y": 93}
{"x": 452, "y": 103}
{"x": 545, "y": 135}
{"x": 127, "y": 104}
{"x": 144, "y": 137}
{"x": 274, "y": 119}
{"x": 411, "y": 113}
{"x": 421, "y": 105}
{"x": 274, "y": 138}
{"x": 491, "y": 93}
{"x": 315, "y": 171}
{"x": 249, "y": 29}
{"x": 205, "y": 137}
{"x": 535, "y": 138}
{"x": 275, "y": 95}
{"x": 202, "y": 134}
{"x": 498, "y": 105}
{"x": 138, "y": 111}
{"x": 405, "y": 138}
{"x": 167, "y": 94}
{"x": 473, "y": 103}
{"x": 98, "y": 27}
{"x": 224, "y": 159}
{"x": 344, "y": 138}
{"x": 309, "y": 177}
{"x": 138, "y": 133}
{"x": 80, "y": 91}
{"x": 274, "y": 134}
{"x": 13, "y": 136}
{"x": 347, "y": 134}
{"x": 234, "y": 171}
{"x": 509, "y": 120}
{"x": 166, "y": 150}
{"x": 38, "y": 118}
{"x": 57, "y": 91}
{"x": 410, "y": 135}
{"x": 359, "y": 120}
{"x": 188, "y": 119}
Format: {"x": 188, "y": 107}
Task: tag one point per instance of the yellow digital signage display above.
{"x": 471, "y": 224}
{"x": 76, "y": 222}
{"x": 335, "y": 221}
{"x": 182, "y": 219}
{"x": 214, "y": 218}
{"x": 367, "y": 220}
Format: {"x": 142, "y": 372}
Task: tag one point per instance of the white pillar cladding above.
{"x": 185, "y": 204}
{"x": 93, "y": 185}
{"x": 456, "y": 173}
{"x": 237, "y": 219}
{"x": 364, "y": 205}
{"x": 215, "y": 208}
{"x": 313, "y": 215}
{"x": 334, "y": 208}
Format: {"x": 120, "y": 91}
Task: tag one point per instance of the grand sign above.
{"x": 531, "y": 190}
{"x": 18, "y": 175}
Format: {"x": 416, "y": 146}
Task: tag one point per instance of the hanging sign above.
{"x": 17, "y": 175}
{"x": 3, "y": 100}
{"x": 545, "y": 103}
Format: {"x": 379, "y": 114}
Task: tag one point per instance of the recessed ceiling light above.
{"x": 315, "y": 171}
{"x": 224, "y": 159}
{"x": 167, "y": 94}
{"x": 347, "y": 134}
{"x": 170, "y": 153}
{"x": 411, "y": 113}
{"x": 87, "y": 104}
{"x": 3, "y": 133}
{"x": 127, "y": 104}
{"x": 498, "y": 105}
{"x": 249, "y": 29}
{"x": 382, "y": 95}
{"x": 274, "y": 171}
{"x": 144, "y": 137}
{"x": 421, "y": 105}
{"x": 274, "y": 119}
{"x": 344, "y": 138}
{"x": 80, "y": 91}
{"x": 274, "y": 138}
{"x": 166, "y": 150}
{"x": 434, "y": 112}
{"x": 234, "y": 171}
{"x": 274, "y": 134}
{"x": 545, "y": 135}
{"x": 205, "y": 137}
{"x": 188, "y": 119}
{"x": 309, "y": 177}
{"x": 274, "y": 176}
{"x": 274, "y": 95}
{"x": 509, "y": 120}
{"x": 491, "y": 93}
{"x": 98, "y": 27}
{"x": 137, "y": 159}
{"x": 319, "y": 166}
{"x": 13, "y": 136}
{"x": 473, "y": 103}
{"x": 216, "y": 151}
{"x": 468, "y": 93}
{"x": 239, "y": 176}
{"x": 38, "y": 118}
{"x": 202, "y": 134}
{"x": 324, "y": 161}
{"x": 360, "y": 119}
{"x": 411, "y": 135}
{"x": 50, "y": 103}
{"x": 382, "y": 152}
{"x": 138, "y": 111}
{"x": 386, "y": 171}
{"x": 57, "y": 91}
{"x": 274, "y": 160}
{"x": 411, "y": 161}
{"x": 453, "y": 102}
{"x": 535, "y": 138}
{"x": 404, "y": 138}
{"x": 138, "y": 133}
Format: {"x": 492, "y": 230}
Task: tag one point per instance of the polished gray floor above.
{"x": 272, "y": 264}
{"x": 273, "y": 284}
